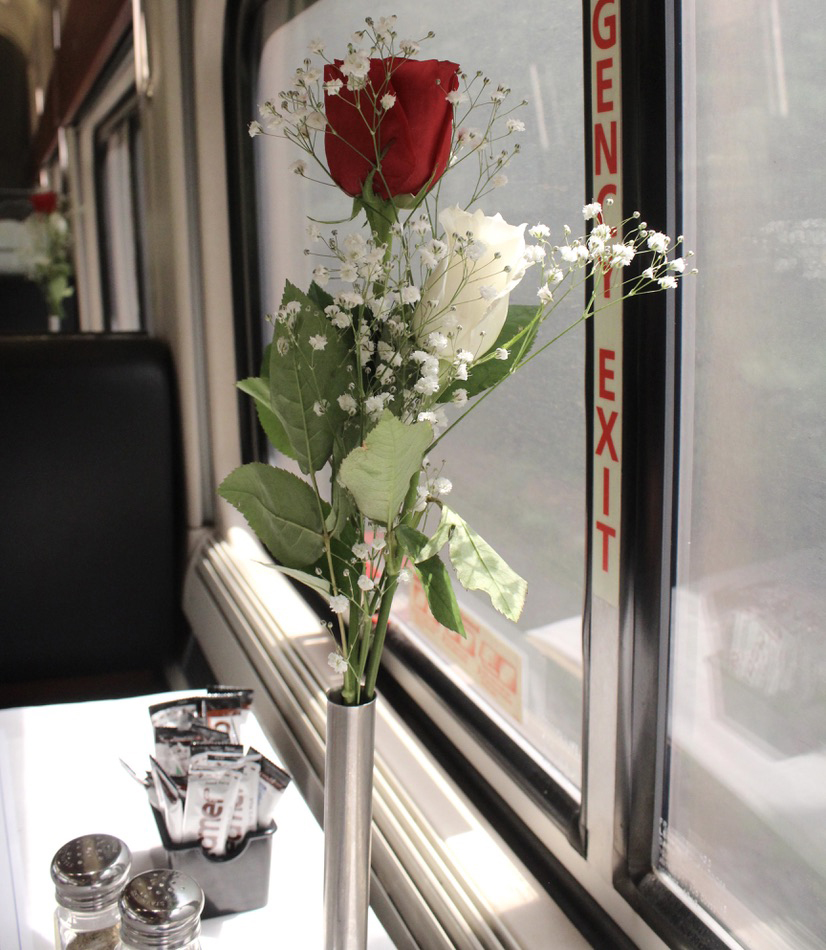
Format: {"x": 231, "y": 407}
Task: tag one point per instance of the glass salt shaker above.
{"x": 161, "y": 909}
{"x": 89, "y": 873}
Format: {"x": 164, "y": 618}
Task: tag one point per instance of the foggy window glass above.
{"x": 744, "y": 830}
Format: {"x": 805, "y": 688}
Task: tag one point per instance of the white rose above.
{"x": 458, "y": 281}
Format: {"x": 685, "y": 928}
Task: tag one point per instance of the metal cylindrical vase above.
{"x": 348, "y": 815}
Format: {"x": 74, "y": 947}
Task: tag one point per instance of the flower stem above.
{"x": 378, "y": 637}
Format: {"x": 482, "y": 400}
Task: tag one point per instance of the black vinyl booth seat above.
{"x": 92, "y": 531}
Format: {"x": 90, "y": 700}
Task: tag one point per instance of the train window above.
{"x": 744, "y": 797}
{"x": 106, "y": 145}
{"x": 119, "y": 191}
{"x": 529, "y": 440}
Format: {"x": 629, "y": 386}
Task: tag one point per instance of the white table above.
{"x": 60, "y": 778}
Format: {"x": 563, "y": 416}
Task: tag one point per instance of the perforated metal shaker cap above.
{"x": 161, "y": 909}
{"x": 89, "y": 872}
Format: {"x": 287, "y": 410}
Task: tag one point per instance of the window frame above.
{"x": 653, "y": 100}
{"x": 125, "y": 113}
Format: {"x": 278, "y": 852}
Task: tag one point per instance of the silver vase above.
{"x": 348, "y": 815}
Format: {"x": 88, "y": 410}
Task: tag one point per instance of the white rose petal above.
{"x": 497, "y": 263}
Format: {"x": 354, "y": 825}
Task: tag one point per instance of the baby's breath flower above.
{"x": 476, "y": 250}
{"x": 545, "y": 294}
{"x": 318, "y": 341}
{"x": 316, "y": 47}
{"x": 299, "y": 167}
{"x": 678, "y": 264}
{"x": 459, "y": 397}
{"x": 499, "y": 181}
{"x": 348, "y": 404}
{"x": 622, "y": 255}
{"x": 501, "y": 353}
{"x": 469, "y": 137}
{"x": 336, "y": 660}
{"x": 321, "y": 275}
{"x": 360, "y": 550}
{"x": 356, "y": 64}
{"x": 366, "y": 583}
{"x": 421, "y": 225}
{"x": 375, "y": 404}
{"x": 333, "y": 87}
{"x": 515, "y": 125}
{"x": 540, "y": 231}
{"x": 320, "y": 407}
{"x": 255, "y": 128}
{"x": 658, "y": 242}
{"x": 349, "y": 298}
{"x": 535, "y": 253}
{"x": 317, "y": 120}
{"x": 427, "y": 385}
{"x": 437, "y": 342}
{"x": 410, "y": 294}
{"x": 669, "y": 282}
{"x": 388, "y": 101}
{"x": 441, "y": 486}
{"x": 592, "y": 211}
{"x": 456, "y": 97}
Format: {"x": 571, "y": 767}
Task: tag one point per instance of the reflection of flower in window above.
{"x": 48, "y": 258}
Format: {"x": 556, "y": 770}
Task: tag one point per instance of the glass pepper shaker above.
{"x": 89, "y": 873}
{"x": 161, "y": 909}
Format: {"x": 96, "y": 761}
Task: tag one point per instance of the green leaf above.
{"x": 313, "y": 581}
{"x": 341, "y": 510}
{"x": 319, "y": 296}
{"x": 377, "y": 473}
{"x": 440, "y": 596}
{"x": 259, "y": 389}
{"x": 491, "y": 371}
{"x": 479, "y": 567}
{"x": 303, "y": 378}
{"x": 411, "y": 540}
{"x": 281, "y": 509}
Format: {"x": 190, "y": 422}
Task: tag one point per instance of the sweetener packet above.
{"x": 173, "y": 747}
{"x": 224, "y": 712}
{"x": 245, "y": 814}
{"x": 272, "y": 784}
{"x": 210, "y": 801}
{"x": 170, "y": 800}
{"x": 176, "y": 713}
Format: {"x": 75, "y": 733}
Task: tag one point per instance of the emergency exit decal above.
{"x": 606, "y": 187}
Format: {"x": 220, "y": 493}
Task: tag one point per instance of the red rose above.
{"x": 413, "y": 135}
{"x": 44, "y": 201}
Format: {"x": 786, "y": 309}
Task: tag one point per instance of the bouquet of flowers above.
{"x": 48, "y": 253}
{"x": 406, "y": 325}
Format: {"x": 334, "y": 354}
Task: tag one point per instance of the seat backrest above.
{"x": 91, "y": 529}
